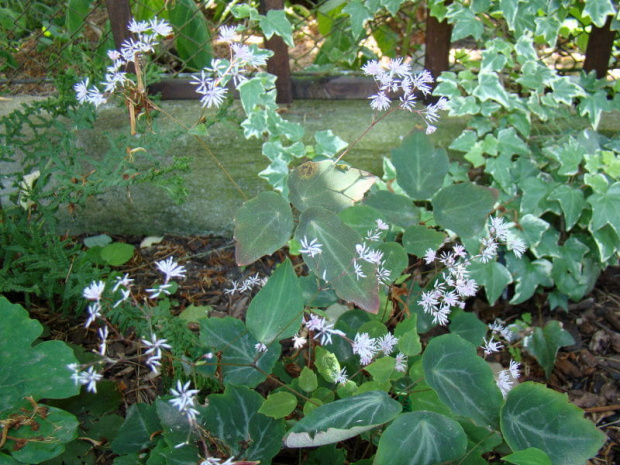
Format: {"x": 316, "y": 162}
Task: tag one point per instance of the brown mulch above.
{"x": 588, "y": 371}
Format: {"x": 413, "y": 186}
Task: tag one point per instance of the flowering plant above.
{"x": 130, "y": 56}
{"x": 347, "y": 333}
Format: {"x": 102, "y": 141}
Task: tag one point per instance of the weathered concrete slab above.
{"x": 213, "y": 200}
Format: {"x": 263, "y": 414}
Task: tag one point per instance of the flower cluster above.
{"x": 396, "y": 77}
{"x": 498, "y": 331}
{"x": 374, "y": 234}
{"x": 212, "y": 81}
{"x": 299, "y": 340}
{"x": 455, "y": 284}
{"x": 246, "y": 285}
{"x": 216, "y": 461}
{"x": 374, "y": 257}
{"x": 322, "y": 329}
{"x": 368, "y": 347}
{"x": 148, "y": 34}
{"x": 506, "y": 332}
{"x": 312, "y": 248}
{"x": 170, "y": 269}
{"x": 452, "y": 289}
{"x": 155, "y": 346}
{"x": 89, "y": 378}
{"x": 95, "y": 291}
{"x": 506, "y": 378}
{"x": 184, "y": 399}
{"x": 363, "y": 252}
{"x": 500, "y": 232}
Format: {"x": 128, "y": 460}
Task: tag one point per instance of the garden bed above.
{"x": 588, "y": 371}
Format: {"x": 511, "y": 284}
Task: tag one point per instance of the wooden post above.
{"x": 278, "y": 64}
{"x": 437, "y": 53}
{"x": 119, "y": 13}
{"x": 598, "y": 51}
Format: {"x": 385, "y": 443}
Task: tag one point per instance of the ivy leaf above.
{"x": 574, "y": 272}
{"x": 493, "y": 276}
{"x": 447, "y": 86}
{"x": 275, "y": 22}
{"x": 544, "y": 344}
{"x": 535, "y": 193}
{"x": 276, "y": 174}
{"x": 421, "y": 438}
{"x": 501, "y": 168}
{"x": 535, "y": 416}
{"x": 572, "y": 202}
{"x": 607, "y": 242}
{"x": 533, "y": 229}
{"x": 359, "y": 15}
{"x": 278, "y": 405}
{"x": 275, "y": 313}
{"x": 598, "y": 10}
{"x": 490, "y": 88}
{"x": 417, "y": 239}
{"x": 343, "y": 419}
{"x": 548, "y": 27}
{"x": 564, "y": 90}
{"x": 420, "y": 167}
{"x": 335, "y": 263}
{"x": 396, "y": 209}
{"x": 528, "y": 275}
{"x": 258, "y": 91}
{"x": 469, "y": 327}
{"x": 327, "y": 185}
{"x": 464, "y": 142}
{"x": 605, "y": 208}
{"x": 529, "y": 456}
{"x": 136, "y": 432}
{"x": 509, "y": 143}
{"x": 593, "y": 105}
{"x": 234, "y": 418}
{"x": 38, "y": 371}
{"x": 58, "y": 428}
{"x": 463, "y": 208}
{"x": 465, "y": 23}
{"x": 392, "y": 5}
{"x": 262, "y": 226}
{"x": 463, "y": 381}
{"x": 238, "y": 353}
{"x": 328, "y": 144}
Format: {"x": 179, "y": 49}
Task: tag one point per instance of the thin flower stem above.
{"x": 366, "y": 131}
{"x": 206, "y": 147}
{"x": 284, "y": 385}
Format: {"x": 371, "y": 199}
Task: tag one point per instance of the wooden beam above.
{"x": 302, "y": 88}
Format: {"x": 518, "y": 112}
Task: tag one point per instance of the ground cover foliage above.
{"x": 359, "y": 343}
